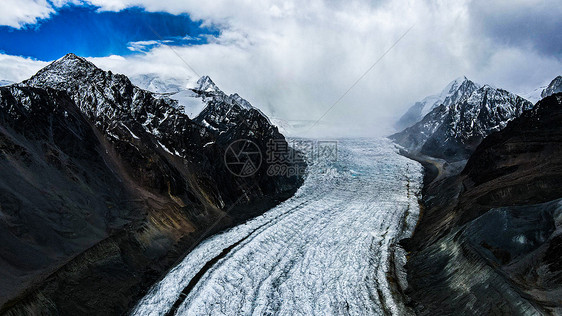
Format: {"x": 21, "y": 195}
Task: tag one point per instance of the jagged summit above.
{"x": 240, "y": 101}
{"x": 105, "y": 97}
{"x": 67, "y": 64}
{"x": 203, "y": 100}
{"x": 453, "y": 85}
{"x": 455, "y": 127}
{"x": 224, "y": 111}
{"x": 207, "y": 87}
{"x": 205, "y": 84}
{"x": 71, "y": 57}
{"x": 555, "y": 86}
{"x": 457, "y": 90}
{"x": 72, "y": 73}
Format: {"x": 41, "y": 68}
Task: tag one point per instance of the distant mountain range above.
{"x": 104, "y": 185}
{"x": 459, "y": 119}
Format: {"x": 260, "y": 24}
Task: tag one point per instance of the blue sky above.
{"x": 86, "y": 32}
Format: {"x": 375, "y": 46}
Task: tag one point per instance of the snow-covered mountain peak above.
{"x": 203, "y": 101}
{"x": 72, "y": 73}
{"x": 192, "y": 96}
{"x": 240, "y": 101}
{"x": 222, "y": 110}
{"x": 106, "y": 97}
{"x": 110, "y": 100}
{"x": 555, "y": 86}
{"x": 209, "y": 91}
{"x": 70, "y": 63}
{"x": 544, "y": 90}
{"x": 453, "y": 129}
{"x": 453, "y": 85}
{"x": 205, "y": 84}
{"x": 457, "y": 90}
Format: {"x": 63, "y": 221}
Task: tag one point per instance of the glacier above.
{"x": 331, "y": 249}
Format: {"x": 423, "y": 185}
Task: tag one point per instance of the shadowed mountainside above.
{"x": 489, "y": 238}
{"x": 103, "y": 186}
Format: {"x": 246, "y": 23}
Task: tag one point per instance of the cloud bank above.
{"x": 294, "y": 59}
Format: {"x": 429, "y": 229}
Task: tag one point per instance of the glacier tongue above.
{"x": 329, "y": 250}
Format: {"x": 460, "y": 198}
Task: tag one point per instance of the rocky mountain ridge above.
{"x": 105, "y": 185}
{"x": 453, "y": 129}
{"x": 488, "y": 240}
{"x": 456, "y": 91}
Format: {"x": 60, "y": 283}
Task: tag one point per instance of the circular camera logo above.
{"x": 243, "y": 158}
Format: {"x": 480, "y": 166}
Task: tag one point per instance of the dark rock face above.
{"x": 452, "y": 131}
{"x": 524, "y": 158}
{"x": 488, "y": 238}
{"x": 103, "y": 186}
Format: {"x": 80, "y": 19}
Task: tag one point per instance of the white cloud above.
{"x": 294, "y": 59}
{"x": 18, "y": 13}
{"x": 16, "y": 69}
{"x": 142, "y": 46}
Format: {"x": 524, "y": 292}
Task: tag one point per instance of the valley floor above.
{"x": 332, "y": 249}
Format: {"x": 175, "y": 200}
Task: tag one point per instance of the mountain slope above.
{"x": 156, "y": 84}
{"x": 489, "y": 239}
{"x": 105, "y": 185}
{"x": 535, "y": 95}
{"x": 174, "y": 89}
{"x": 452, "y": 131}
